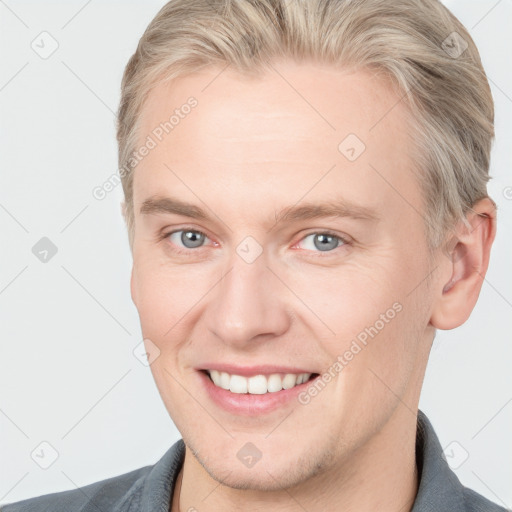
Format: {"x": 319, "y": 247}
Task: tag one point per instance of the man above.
{"x": 305, "y": 196}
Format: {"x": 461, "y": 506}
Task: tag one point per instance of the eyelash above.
{"x": 345, "y": 241}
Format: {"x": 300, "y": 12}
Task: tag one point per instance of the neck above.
{"x": 379, "y": 475}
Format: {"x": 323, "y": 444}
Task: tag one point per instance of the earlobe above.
{"x": 467, "y": 257}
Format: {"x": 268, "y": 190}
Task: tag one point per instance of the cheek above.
{"x": 163, "y": 294}
{"x": 364, "y": 314}
{"x": 343, "y": 301}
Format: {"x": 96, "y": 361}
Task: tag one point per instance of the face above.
{"x": 278, "y": 238}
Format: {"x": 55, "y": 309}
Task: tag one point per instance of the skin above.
{"x": 250, "y": 148}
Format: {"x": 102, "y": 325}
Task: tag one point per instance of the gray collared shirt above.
{"x": 150, "y": 489}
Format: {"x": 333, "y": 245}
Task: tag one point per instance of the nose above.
{"x": 249, "y": 303}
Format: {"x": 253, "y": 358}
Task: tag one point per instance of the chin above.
{"x": 270, "y": 473}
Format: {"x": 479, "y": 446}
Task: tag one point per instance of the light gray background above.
{"x": 68, "y": 327}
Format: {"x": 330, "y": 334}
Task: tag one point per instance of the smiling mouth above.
{"x": 258, "y": 384}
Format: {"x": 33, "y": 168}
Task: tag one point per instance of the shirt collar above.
{"x": 160, "y": 482}
{"x": 439, "y": 488}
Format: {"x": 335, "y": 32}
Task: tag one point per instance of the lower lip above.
{"x": 248, "y": 404}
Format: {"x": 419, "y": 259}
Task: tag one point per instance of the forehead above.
{"x": 293, "y": 131}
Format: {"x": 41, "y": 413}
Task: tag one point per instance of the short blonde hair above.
{"x": 418, "y": 44}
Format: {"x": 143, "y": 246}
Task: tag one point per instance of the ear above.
{"x": 123, "y": 209}
{"x": 132, "y": 276}
{"x": 133, "y": 287}
{"x": 467, "y": 256}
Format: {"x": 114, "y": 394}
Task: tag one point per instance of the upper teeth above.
{"x": 259, "y": 384}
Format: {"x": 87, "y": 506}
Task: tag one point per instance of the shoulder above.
{"x": 116, "y": 493}
{"x": 439, "y": 486}
{"x": 143, "y": 489}
{"x": 475, "y": 502}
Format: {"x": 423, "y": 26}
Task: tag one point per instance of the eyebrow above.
{"x": 306, "y": 211}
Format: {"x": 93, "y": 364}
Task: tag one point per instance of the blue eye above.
{"x": 190, "y": 238}
{"x": 324, "y": 242}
